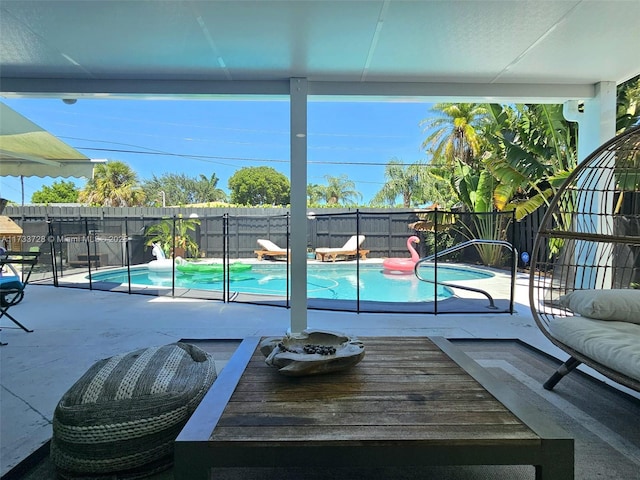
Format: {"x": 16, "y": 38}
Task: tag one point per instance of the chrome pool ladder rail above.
{"x": 461, "y": 246}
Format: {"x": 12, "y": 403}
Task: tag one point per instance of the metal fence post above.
{"x": 226, "y": 284}
{"x": 127, "y": 253}
{"x": 435, "y": 261}
{"x": 358, "y": 260}
{"x": 173, "y": 258}
{"x": 52, "y": 248}
{"x": 288, "y": 302}
{"x": 514, "y": 262}
{"x": 86, "y": 238}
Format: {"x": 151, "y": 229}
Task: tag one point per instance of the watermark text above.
{"x": 64, "y": 238}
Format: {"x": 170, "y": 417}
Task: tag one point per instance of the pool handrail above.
{"x": 461, "y": 246}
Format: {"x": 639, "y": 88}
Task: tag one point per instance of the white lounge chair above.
{"x": 270, "y": 249}
{"x": 350, "y": 248}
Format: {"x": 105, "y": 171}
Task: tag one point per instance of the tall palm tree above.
{"x": 457, "y": 145}
{"x": 315, "y": 193}
{"x": 455, "y": 140}
{"x": 400, "y": 181}
{"x": 413, "y": 183}
{"x": 114, "y": 184}
{"x": 453, "y": 132}
{"x": 340, "y": 190}
{"x": 206, "y": 189}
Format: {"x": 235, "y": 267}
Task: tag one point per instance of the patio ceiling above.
{"x": 457, "y": 50}
{"x": 552, "y": 50}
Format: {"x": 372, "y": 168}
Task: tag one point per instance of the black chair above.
{"x": 12, "y": 283}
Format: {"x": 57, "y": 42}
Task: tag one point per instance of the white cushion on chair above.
{"x": 269, "y": 245}
{"x": 621, "y": 305}
{"x": 613, "y": 344}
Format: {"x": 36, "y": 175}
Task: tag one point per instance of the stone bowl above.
{"x": 311, "y": 352}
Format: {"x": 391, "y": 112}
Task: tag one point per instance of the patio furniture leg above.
{"x": 565, "y": 368}
{"x": 3, "y": 312}
{"x": 558, "y": 461}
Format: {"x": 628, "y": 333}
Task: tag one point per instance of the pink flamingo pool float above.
{"x": 403, "y": 265}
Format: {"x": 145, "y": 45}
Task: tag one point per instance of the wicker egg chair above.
{"x": 585, "y": 265}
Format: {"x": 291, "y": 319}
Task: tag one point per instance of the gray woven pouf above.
{"x": 120, "y": 420}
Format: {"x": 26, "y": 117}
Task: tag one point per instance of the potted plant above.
{"x": 164, "y": 235}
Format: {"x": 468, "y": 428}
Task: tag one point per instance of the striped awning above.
{"x": 8, "y": 226}
{"x": 30, "y": 151}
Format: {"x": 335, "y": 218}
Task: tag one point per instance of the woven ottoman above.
{"x": 121, "y": 418}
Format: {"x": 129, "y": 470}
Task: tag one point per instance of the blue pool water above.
{"x": 336, "y": 282}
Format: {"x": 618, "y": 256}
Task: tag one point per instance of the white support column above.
{"x": 298, "y": 239}
{"x": 596, "y": 124}
{"x": 596, "y": 118}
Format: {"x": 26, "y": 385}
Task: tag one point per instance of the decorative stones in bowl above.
{"x": 311, "y": 352}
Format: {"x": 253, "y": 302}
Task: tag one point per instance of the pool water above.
{"x": 338, "y": 282}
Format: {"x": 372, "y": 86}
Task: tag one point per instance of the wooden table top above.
{"x": 406, "y": 389}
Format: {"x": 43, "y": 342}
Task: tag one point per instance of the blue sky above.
{"x": 220, "y": 137}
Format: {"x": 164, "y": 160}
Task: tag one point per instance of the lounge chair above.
{"x": 270, "y": 249}
{"x": 352, "y": 247}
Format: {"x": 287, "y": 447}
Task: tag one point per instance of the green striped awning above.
{"x": 30, "y": 151}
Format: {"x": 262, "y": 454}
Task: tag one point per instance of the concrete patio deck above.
{"x": 74, "y": 328}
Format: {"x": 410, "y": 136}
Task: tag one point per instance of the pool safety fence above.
{"x": 75, "y": 249}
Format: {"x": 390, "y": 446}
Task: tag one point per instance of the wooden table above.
{"x": 410, "y": 401}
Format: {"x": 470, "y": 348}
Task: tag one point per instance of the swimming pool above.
{"x": 337, "y": 282}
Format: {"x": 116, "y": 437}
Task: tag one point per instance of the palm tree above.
{"x": 414, "y": 184}
{"x": 456, "y": 143}
{"x": 400, "y": 181}
{"x": 114, "y": 184}
{"x": 169, "y": 233}
{"x": 315, "y": 193}
{"x": 340, "y": 190}
{"x": 453, "y": 132}
{"x": 206, "y": 189}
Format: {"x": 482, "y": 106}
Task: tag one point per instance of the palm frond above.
{"x": 530, "y": 205}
